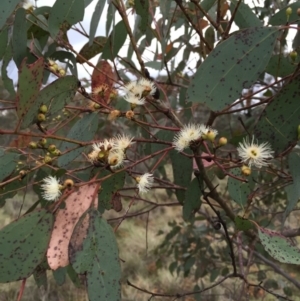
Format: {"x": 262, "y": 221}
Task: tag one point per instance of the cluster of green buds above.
{"x": 41, "y": 117}
{"x": 55, "y": 68}
{"x": 52, "y": 150}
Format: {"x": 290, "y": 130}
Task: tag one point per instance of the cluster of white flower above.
{"x": 111, "y": 151}
{"x": 192, "y": 132}
{"x": 144, "y": 182}
{"x": 51, "y": 188}
{"x": 136, "y": 91}
{"x": 253, "y": 153}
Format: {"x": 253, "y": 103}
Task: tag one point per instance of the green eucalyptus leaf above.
{"x": 280, "y": 17}
{"x": 89, "y": 51}
{"x": 3, "y": 41}
{"x": 280, "y": 65}
{"x": 142, "y": 9}
{"x": 232, "y": 66}
{"x": 242, "y": 224}
{"x": 8, "y": 162}
{"x": 83, "y": 130}
{"x": 19, "y": 37}
{"x": 95, "y": 20}
{"x": 192, "y": 200}
{"x": 60, "y": 275}
{"x": 278, "y": 246}
{"x": 40, "y": 274}
{"x": 115, "y": 41}
{"x": 55, "y": 96}
{"x": 96, "y": 256}
{"x": 279, "y": 121}
{"x": 240, "y": 191}
{"x": 7, "y": 81}
{"x": 182, "y": 171}
{"x": 23, "y": 244}
{"x": 70, "y": 11}
{"x": 244, "y": 16}
{"x": 108, "y": 188}
{"x": 7, "y": 8}
{"x": 293, "y": 190}
{"x": 30, "y": 81}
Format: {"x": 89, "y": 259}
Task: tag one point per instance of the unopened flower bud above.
{"x": 47, "y": 159}
{"x": 57, "y": 152}
{"x": 41, "y": 117}
{"x": 129, "y": 114}
{"x": 288, "y": 12}
{"x": 211, "y": 135}
{"x": 32, "y": 145}
{"x": 43, "y": 141}
{"x": 51, "y": 148}
{"x": 246, "y": 171}
{"x": 22, "y": 174}
{"x": 222, "y": 141}
{"x": 113, "y": 94}
{"x": 96, "y": 106}
{"x": 61, "y": 72}
{"x": 43, "y": 109}
{"x": 298, "y": 12}
{"x": 68, "y": 183}
{"x": 114, "y": 114}
{"x": 293, "y": 55}
{"x": 51, "y": 62}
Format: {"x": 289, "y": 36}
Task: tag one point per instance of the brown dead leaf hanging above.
{"x": 66, "y": 219}
{"x": 103, "y": 79}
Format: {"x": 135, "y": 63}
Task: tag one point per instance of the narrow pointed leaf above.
{"x": 293, "y": 190}
{"x": 115, "y": 41}
{"x": 278, "y": 246}
{"x": 97, "y": 256}
{"x": 232, "y": 66}
{"x": 95, "y": 20}
{"x": 192, "y": 200}
{"x": 30, "y": 81}
{"x": 142, "y": 9}
{"x": 244, "y": 16}
{"x": 23, "y": 244}
{"x": 279, "y": 121}
{"x": 3, "y": 41}
{"x": 71, "y": 11}
{"x": 108, "y": 188}
{"x": 7, "y": 81}
{"x": 240, "y": 191}
{"x": 7, "y": 8}
{"x": 88, "y": 51}
{"x": 83, "y": 130}
{"x": 8, "y": 164}
{"x": 280, "y": 17}
{"x": 182, "y": 170}
{"x": 19, "y": 37}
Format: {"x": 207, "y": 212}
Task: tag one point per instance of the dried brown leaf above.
{"x": 103, "y": 78}
{"x": 66, "y": 219}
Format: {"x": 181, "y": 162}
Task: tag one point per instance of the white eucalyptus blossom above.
{"x": 51, "y": 188}
{"x": 253, "y": 153}
{"x": 186, "y": 135}
{"x": 122, "y": 142}
{"x": 134, "y": 99}
{"x": 144, "y": 182}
